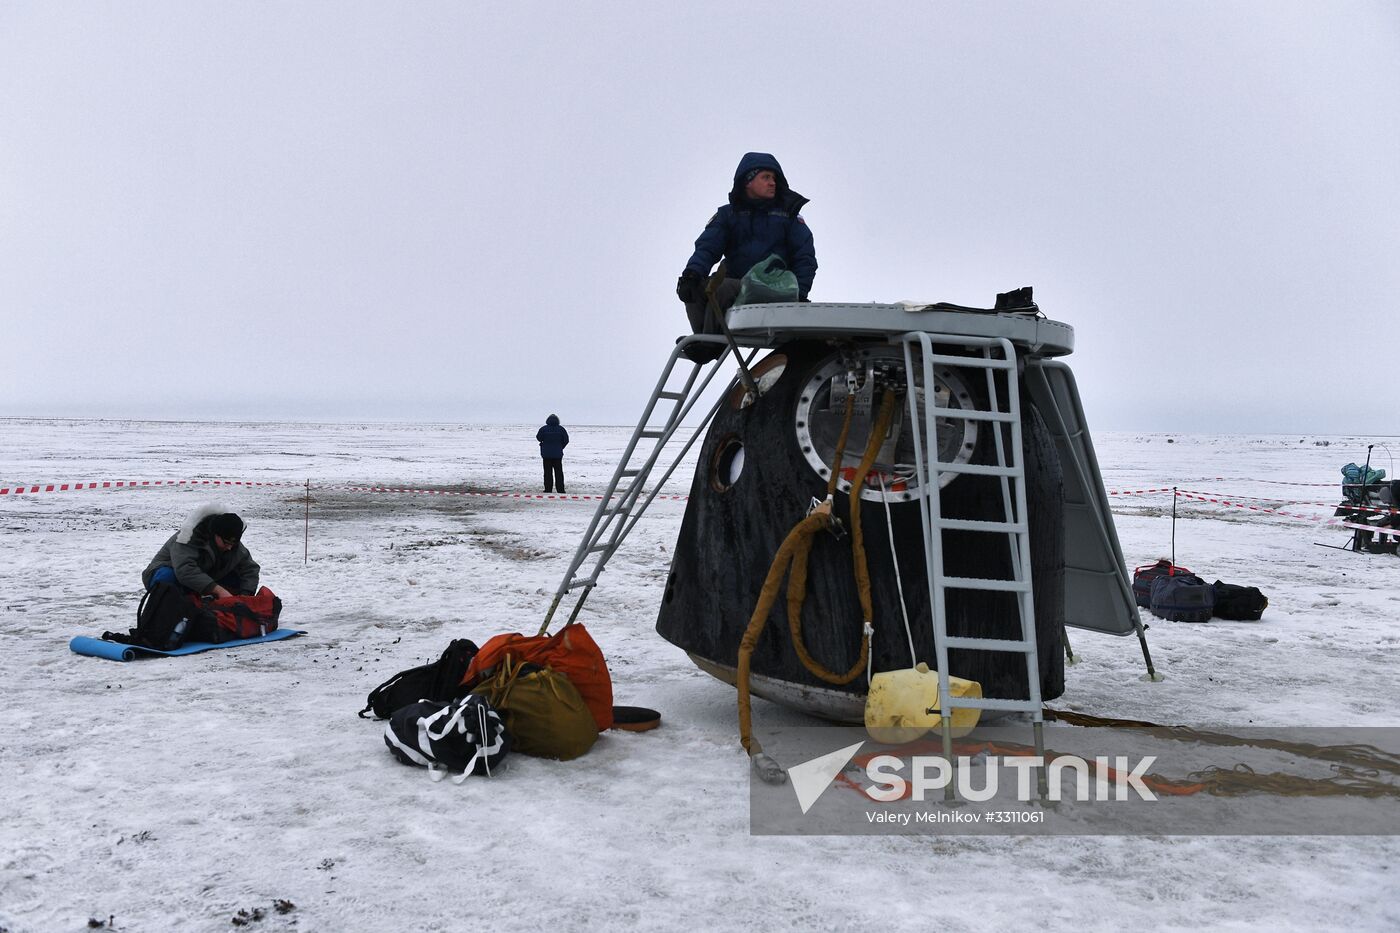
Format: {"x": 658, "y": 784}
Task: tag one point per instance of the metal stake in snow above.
{"x": 1174, "y": 526}
{"x": 306, "y": 527}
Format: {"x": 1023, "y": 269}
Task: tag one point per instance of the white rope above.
{"x": 482, "y": 748}
{"x": 487, "y": 743}
{"x": 869, "y": 631}
{"x": 899, "y": 584}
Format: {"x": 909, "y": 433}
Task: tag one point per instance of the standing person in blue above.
{"x": 761, "y": 219}
{"x": 553, "y": 439}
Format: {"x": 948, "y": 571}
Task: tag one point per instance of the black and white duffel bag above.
{"x": 459, "y": 738}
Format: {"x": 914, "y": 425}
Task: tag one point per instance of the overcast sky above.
{"x": 477, "y": 212}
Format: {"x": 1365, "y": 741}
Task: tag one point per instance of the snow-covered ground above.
{"x": 175, "y": 794}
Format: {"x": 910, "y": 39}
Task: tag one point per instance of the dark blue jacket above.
{"x": 553, "y": 438}
{"x": 745, "y": 231}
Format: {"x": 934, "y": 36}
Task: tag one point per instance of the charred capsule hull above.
{"x": 758, "y": 470}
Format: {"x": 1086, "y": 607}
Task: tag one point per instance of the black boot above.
{"x": 703, "y": 352}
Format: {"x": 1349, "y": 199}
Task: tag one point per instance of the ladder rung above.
{"x": 973, "y": 583}
{"x": 975, "y": 414}
{"x": 971, "y": 362}
{"x": 963, "y": 524}
{"x": 676, "y": 396}
{"x": 993, "y": 703}
{"x": 660, "y": 433}
{"x": 598, "y": 547}
{"x": 977, "y": 469}
{"x": 988, "y": 644}
{"x": 626, "y": 474}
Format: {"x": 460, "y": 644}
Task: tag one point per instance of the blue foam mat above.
{"x": 116, "y": 651}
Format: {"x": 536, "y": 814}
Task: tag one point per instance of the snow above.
{"x": 172, "y": 794}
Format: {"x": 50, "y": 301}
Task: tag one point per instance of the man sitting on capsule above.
{"x": 761, "y": 219}
{"x": 206, "y": 556}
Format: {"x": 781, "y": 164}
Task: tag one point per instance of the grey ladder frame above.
{"x": 1010, "y": 470}
{"x": 623, "y": 503}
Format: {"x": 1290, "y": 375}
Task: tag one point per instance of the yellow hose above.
{"x": 792, "y": 556}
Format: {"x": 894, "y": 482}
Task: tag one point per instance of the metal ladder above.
{"x": 623, "y": 503}
{"x": 997, "y": 355}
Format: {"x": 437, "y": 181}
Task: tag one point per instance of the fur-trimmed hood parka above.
{"x": 197, "y": 561}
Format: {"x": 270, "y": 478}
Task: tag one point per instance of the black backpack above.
{"x": 1182, "y": 597}
{"x": 440, "y": 681}
{"x": 1239, "y": 603}
{"x": 165, "y": 620}
{"x": 463, "y": 737}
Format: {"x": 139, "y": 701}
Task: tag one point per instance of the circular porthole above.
{"x": 727, "y": 464}
{"x": 820, "y": 414}
{"x": 766, "y": 373}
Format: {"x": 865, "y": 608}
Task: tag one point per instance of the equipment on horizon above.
{"x": 1371, "y": 508}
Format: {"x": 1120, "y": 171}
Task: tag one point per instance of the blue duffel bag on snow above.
{"x": 1145, "y": 576}
{"x": 1182, "y": 597}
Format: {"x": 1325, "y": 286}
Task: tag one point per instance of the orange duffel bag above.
{"x": 571, "y": 651}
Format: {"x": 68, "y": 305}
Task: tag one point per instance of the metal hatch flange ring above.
{"x": 818, "y": 424}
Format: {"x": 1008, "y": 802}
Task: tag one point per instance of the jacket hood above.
{"x": 208, "y": 510}
{"x": 790, "y": 200}
{"x": 552, "y": 419}
{"x": 748, "y": 163}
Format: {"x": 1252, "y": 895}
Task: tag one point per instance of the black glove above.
{"x": 690, "y": 287}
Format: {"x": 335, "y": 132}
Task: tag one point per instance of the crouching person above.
{"x": 206, "y": 556}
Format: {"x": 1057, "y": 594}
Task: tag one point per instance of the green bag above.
{"x": 543, "y": 712}
{"x": 769, "y": 280}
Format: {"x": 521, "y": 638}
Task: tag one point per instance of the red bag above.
{"x": 236, "y": 617}
{"x": 571, "y": 651}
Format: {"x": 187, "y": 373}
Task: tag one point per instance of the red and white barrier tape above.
{"x": 1323, "y": 505}
{"x": 1274, "y": 482}
{"x": 1235, "y": 502}
{"x": 488, "y": 495}
{"x": 30, "y": 489}
{"x": 129, "y": 484}
{"x": 1378, "y": 529}
{"x": 1279, "y": 482}
{"x": 1256, "y": 508}
{"x": 349, "y": 487}
{"x": 1232, "y": 501}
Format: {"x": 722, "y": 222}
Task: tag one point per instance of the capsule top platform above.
{"x": 773, "y": 324}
